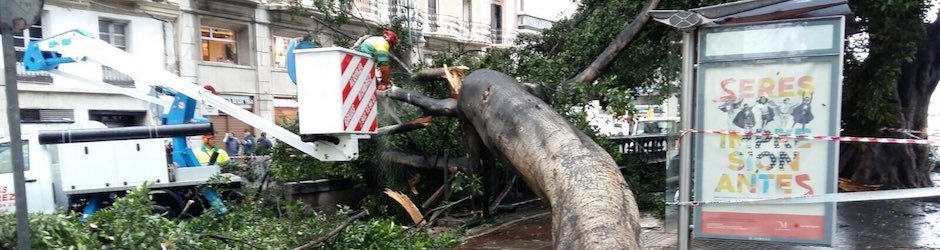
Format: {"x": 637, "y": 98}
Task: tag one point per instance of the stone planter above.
{"x": 325, "y": 194}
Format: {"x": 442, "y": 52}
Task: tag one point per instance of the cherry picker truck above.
{"x": 83, "y": 169}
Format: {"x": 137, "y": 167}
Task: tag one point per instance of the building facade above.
{"x": 52, "y": 102}
{"x": 239, "y": 47}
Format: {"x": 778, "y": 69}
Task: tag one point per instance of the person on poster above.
{"x": 766, "y": 112}
{"x": 745, "y": 118}
{"x": 730, "y": 106}
{"x": 785, "y": 110}
{"x": 803, "y": 113}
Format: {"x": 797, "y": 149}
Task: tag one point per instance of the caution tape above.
{"x": 826, "y": 198}
{"x": 250, "y": 157}
{"x": 817, "y": 137}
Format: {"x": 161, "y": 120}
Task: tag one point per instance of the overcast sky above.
{"x": 932, "y": 14}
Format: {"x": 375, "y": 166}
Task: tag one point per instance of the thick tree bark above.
{"x": 592, "y": 72}
{"x": 901, "y": 165}
{"x": 592, "y": 205}
{"x": 428, "y": 162}
{"x": 430, "y": 106}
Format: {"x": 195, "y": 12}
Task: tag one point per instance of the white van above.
{"x": 656, "y": 126}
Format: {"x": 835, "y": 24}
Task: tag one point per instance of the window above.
{"x": 113, "y": 32}
{"x": 280, "y": 51}
{"x": 218, "y": 45}
{"x": 21, "y": 39}
{"x": 468, "y": 13}
{"x": 6, "y": 159}
{"x": 47, "y": 116}
{"x": 496, "y": 23}
{"x": 432, "y": 14}
{"x": 114, "y": 119}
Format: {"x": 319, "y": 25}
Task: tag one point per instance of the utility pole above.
{"x": 16, "y": 15}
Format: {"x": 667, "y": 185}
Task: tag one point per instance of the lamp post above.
{"x": 687, "y": 22}
{"x": 15, "y": 16}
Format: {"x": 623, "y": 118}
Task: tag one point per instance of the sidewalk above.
{"x": 891, "y": 224}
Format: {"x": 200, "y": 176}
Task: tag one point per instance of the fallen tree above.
{"x": 592, "y": 205}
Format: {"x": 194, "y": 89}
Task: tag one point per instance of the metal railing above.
{"x": 648, "y": 148}
{"x": 116, "y": 78}
{"x": 427, "y": 24}
{"x": 31, "y": 76}
{"x": 524, "y": 21}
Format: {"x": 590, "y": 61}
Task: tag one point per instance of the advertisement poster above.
{"x": 757, "y": 107}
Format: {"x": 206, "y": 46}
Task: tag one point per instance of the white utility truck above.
{"x": 85, "y": 168}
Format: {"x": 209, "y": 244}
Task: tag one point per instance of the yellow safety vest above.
{"x": 203, "y": 155}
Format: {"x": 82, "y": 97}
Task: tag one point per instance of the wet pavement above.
{"x": 890, "y": 224}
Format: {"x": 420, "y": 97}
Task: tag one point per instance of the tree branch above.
{"x": 416, "y": 124}
{"x": 603, "y": 61}
{"x": 427, "y": 162}
{"x": 335, "y": 231}
{"x": 430, "y": 106}
{"x": 429, "y": 75}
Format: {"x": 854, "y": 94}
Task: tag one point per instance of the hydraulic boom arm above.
{"x": 80, "y": 46}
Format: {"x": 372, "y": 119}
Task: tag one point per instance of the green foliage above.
{"x": 332, "y": 11}
{"x": 870, "y": 83}
{"x": 386, "y": 234}
{"x": 128, "y": 224}
{"x": 290, "y": 164}
{"x": 264, "y": 223}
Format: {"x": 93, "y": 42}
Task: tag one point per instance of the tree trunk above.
{"x": 591, "y": 203}
{"x": 901, "y": 165}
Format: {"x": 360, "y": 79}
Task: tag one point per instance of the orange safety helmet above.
{"x": 390, "y": 37}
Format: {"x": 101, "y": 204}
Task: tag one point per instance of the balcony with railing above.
{"x": 532, "y": 23}
{"x": 31, "y": 76}
{"x": 116, "y": 78}
{"x": 432, "y": 25}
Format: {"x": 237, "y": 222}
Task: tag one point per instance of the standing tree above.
{"x": 889, "y": 79}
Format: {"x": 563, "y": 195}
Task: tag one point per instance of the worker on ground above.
{"x": 379, "y": 48}
{"x": 204, "y": 153}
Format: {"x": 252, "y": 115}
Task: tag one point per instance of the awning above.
{"x": 286, "y": 103}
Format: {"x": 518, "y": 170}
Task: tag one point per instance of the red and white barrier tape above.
{"x": 249, "y": 156}
{"x": 824, "y": 198}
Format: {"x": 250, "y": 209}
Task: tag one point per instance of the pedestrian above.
{"x": 248, "y": 143}
{"x": 264, "y": 144}
{"x": 232, "y": 143}
{"x": 379, "y": 48}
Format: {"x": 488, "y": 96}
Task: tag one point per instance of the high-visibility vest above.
{"x": 378, "y": 48}
{"x": 203, "y": 155}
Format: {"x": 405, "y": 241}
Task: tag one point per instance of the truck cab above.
{"x": 39, "y": 187}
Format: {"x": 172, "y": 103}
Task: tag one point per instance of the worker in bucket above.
{"x": 379, "y": 48}
{"x": 209, "y": 154}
